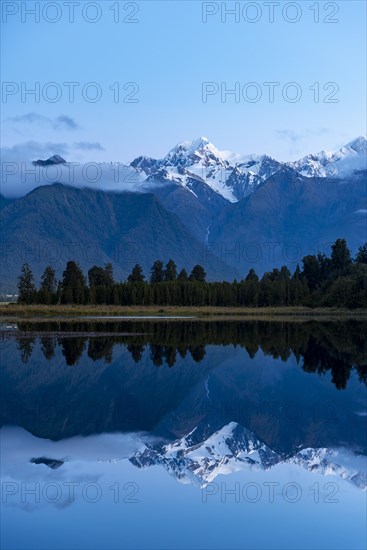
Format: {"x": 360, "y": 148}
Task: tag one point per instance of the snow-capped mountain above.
{"x": 200, "y": 161}
{"x": 230, "y": 449}
{"x": 352, "y": 156}
{"x": 234, "y": 177}
{"x": 198, "y": 460}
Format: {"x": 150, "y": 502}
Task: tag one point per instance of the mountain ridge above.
{"x": 237, "y": 179}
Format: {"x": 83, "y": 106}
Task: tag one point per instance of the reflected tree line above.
{"x": 319, "y": 347}
{"x": 101, "y": 348}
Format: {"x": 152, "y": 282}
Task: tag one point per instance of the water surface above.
{"x": 129, "y": 433}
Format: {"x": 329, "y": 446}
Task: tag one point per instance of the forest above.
{"x": 337, "y": 280}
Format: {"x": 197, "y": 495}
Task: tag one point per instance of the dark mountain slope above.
{"x": 56, "y": 223}
{"x": 4, "y": 201}
{"x": 195, "y": 206}
{"x": 290, "y": 216}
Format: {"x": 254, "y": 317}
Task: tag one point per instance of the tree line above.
{"x": 323, "y": 281}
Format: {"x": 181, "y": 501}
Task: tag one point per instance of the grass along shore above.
{"x": 13, "y": 311}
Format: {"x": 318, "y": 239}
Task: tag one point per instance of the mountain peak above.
{"x": 200, "y": 143}
{"x": 350, "y": 157}
{"x": 200, "y": 150}
{"x": 359, "y": 145}
{"x": 55, "y": 159}
{"x": 197, "y": 144}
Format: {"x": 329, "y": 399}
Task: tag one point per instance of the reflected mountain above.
{"x": 292, "y": 385}
{"x": 234, "y": 448}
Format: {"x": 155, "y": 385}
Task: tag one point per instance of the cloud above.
{"x": 67, "y": 122}
{"x": 29, "y": 118}
{"x": 62, "y": 122}
{"x": 299, "y": 142}
{"x": 289, "y": 134}
{"x": 295, "y": 137}
{"x": 88, "y": 146}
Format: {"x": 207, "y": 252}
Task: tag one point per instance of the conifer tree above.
{"x": 26, "y": 287}
{"x": 73, "y": 284}
{"x": 157, "y": 273}
{"x": 170, "y": 272}
{"x": 340, "y": 256}
{"x": 198, "y": 274}
{"x": 182, "y": 276}
{"x": 136, "y": 275}
{"x": 361, "y": 257}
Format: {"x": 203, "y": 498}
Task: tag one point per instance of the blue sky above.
{"x": 168, "y": 53}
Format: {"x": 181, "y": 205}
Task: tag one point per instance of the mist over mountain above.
{"x": 230, "y": 175}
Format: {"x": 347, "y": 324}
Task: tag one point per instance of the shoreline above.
{"x": 13, "y": 312}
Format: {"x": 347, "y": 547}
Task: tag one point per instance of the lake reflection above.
{"x": 194, "y": 402}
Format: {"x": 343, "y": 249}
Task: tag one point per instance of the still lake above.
{"x": 183, "y": 434}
